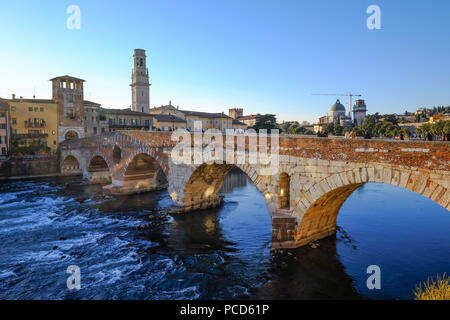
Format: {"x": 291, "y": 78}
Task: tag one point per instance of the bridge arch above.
{"x": 142, "y": 173}
{"x": 71, "y": 135}
{"x": 320, "y": 204}
{"x": 98, "y": 170}
{"x": 198, "y": 186}
{"x": 71, "y": 166}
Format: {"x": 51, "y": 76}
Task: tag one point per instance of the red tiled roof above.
{"x": 249, "y": 117}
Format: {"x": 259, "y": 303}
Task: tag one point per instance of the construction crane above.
{"x": 351, "y": 95}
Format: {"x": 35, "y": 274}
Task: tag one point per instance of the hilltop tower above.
{"x": 140, "y": 86}
{"x": 359, "y": 112}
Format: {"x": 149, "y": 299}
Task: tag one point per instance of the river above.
{"x": 131, "y": 248}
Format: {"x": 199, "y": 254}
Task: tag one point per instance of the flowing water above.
{"x": 131, "y": 248}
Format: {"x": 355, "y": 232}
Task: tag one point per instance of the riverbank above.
{"x": 29, "y": 167}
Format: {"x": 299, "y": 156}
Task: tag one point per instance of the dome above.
{"x": 337, "y": 106}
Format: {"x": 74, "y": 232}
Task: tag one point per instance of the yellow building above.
{"x": 240, "y": 126}
{"x": 249, "y": 120}
{"x": 439, "y": 117}
{"x": 167, "y": 122}
{"x": 209, "y": 120}
{"x": 34, "y": 121}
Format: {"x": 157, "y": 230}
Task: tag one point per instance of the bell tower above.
{"x": 140, "y": 86}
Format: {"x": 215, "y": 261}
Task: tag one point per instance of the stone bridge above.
{"x": 315, "y": 176}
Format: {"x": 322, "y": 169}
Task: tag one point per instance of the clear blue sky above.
{"x": 264, "y": 56}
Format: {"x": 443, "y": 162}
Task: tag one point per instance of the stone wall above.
{"x": 29, "y": 166}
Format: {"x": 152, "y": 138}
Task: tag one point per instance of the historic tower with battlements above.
{"x": 140, "y": 86}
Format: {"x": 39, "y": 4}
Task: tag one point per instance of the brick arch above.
{"x": 127, "y": 157}
{"x": 319, "y": 206}
{"x": 70, "y": 165}
{"x": 200, "y": 187}
{"x": 100, "y": 155}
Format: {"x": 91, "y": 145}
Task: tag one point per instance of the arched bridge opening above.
{"x": 143, "y": 174}
{"x": 98, "y": 170}
{"x": 71, "y": 166}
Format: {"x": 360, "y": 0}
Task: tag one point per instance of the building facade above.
{"x": 4, "y": 129}
{"x": 126, "y": 119}
{"x": 34, "y": 122}
{"x": 69, "y": 95}
{"x": 167, "y": 122}
{"x": 95, "y": 121}
{"x": 140, "y": 85}
{"x": 239, "y": 126}
{"x": 219, "y": 121}
{"x": 236, "y": 113}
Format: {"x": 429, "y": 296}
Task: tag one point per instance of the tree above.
{"x": 302, "y": 130}
{"x": 391, "y": 118}
{"x": 424, "y": 129}
{"x": 266, "y": 121}
{"x": 406, "y": 132}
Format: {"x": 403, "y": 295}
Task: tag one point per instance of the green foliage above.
{"x": 334, "y": 129}
{"x": 388, "y": 127}
{"x": 436, "y": 129}
{"x": 391, "y": 118}
{"x": 302, "y": 130}
{"x": 406, "y": 132}
{"x": 30, "y": 150}
{"x": 266, "y": 121}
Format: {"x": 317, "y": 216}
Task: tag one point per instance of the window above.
{"x": 30, "y": 109}
{"x": 70, "y": 97}
{"x": 36, "y": 109}
{"x": 103, "y": 130}
{"x": 3, "y": 150}
{"x": 13, "y": 109}
{"x": 42, "y": 109}
{"x": 54, "y": 142}
{"x": 14, "y": 121}
{"x": 95, "y": 130}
